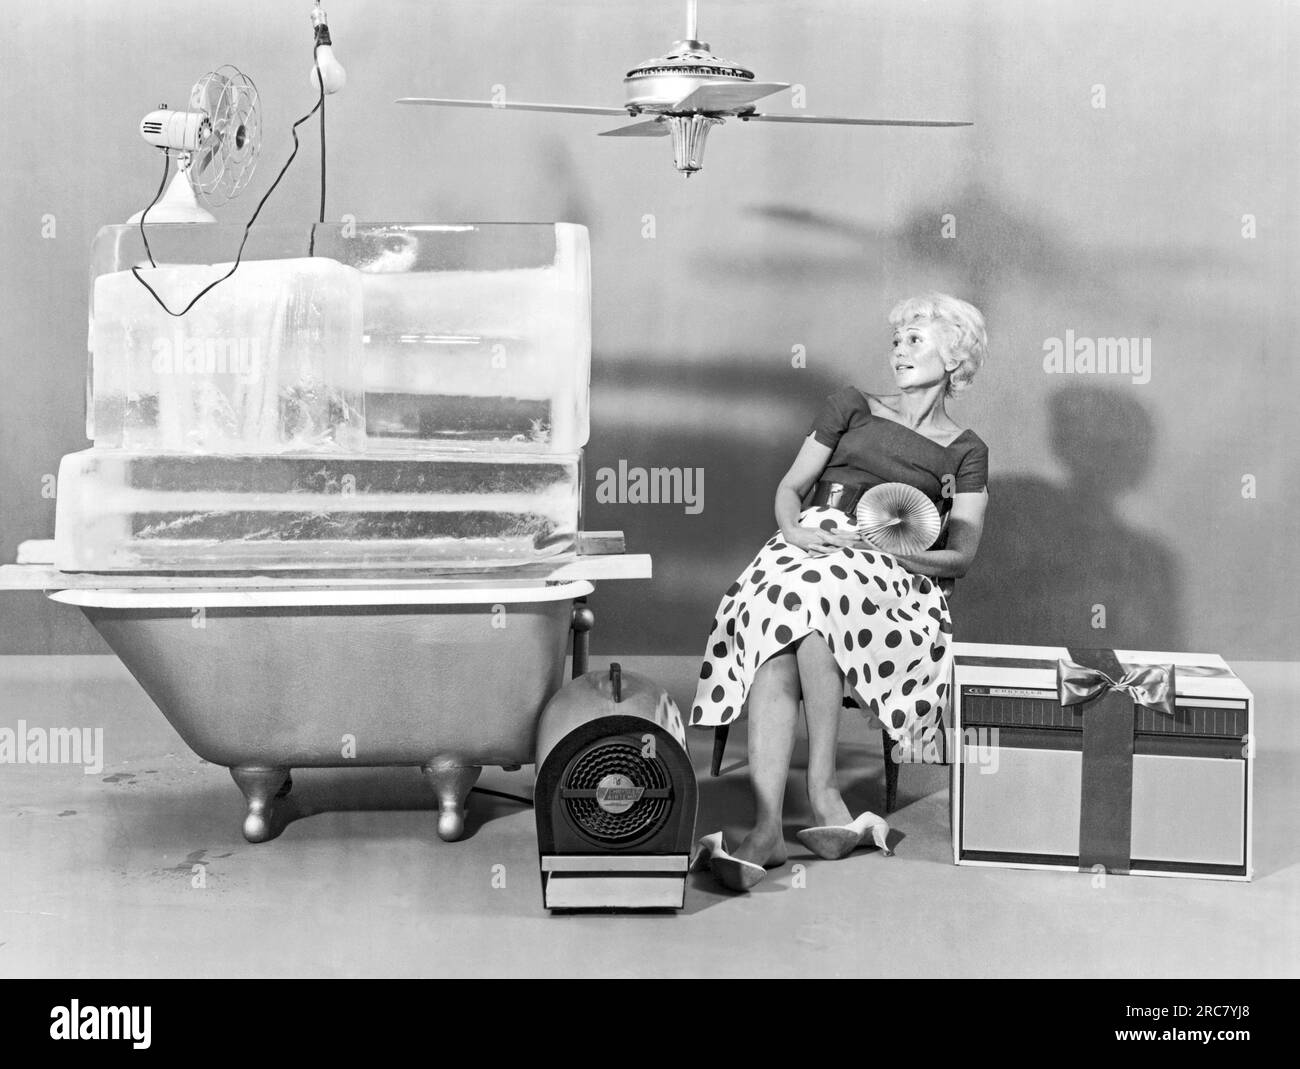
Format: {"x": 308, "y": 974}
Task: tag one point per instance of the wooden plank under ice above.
{"x": 595, "y": 567}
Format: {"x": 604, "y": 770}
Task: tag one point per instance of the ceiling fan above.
{"x": 683, "y": 94}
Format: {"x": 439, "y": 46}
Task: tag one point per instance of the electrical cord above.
{"x": 502, "y": 794}
{"x": 293, "y": 130}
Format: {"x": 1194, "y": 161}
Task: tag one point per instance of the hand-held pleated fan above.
{"x": 898, "y": 518}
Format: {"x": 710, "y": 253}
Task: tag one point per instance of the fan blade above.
{"x": 648, "y": 128}
{"x": 726, "y": 96}
{"x": 755, "y": 117}
{"x": 574, "y": 109}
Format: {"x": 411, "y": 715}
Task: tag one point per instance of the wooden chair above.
{"x": 891, "y": 767}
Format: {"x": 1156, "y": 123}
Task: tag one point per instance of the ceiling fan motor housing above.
{"x": 615, "y": 796}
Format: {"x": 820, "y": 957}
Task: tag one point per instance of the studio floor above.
{"x": 140, "y": 870}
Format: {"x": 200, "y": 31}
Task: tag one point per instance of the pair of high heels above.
{"x": 829, "y": 842}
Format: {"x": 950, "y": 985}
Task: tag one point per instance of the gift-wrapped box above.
{"x": 1102, "y": 760}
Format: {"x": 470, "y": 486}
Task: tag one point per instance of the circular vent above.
{"x": 613, "y": 795}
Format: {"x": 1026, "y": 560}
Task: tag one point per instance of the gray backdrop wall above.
{"x": 1129, "y": 220}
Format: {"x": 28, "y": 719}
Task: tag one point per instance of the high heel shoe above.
{"x": 833, "y": 841}
{"x": 733, "y": 873}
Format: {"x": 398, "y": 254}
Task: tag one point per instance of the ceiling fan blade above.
{"x": 726, "y": 96}
{"x": 516, "y": 105}
{"x": 648, "y": 128}
{"x": 755, "y": 117}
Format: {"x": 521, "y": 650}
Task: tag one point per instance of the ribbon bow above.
{"x": 1151, "y": 686}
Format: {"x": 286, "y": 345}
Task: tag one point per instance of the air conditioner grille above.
{"x": 621, "y": 757}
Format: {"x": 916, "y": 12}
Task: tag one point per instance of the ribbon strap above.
{"x": 1109, "y": 690}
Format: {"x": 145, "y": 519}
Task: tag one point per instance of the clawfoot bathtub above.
{"x": 447, "y": 677}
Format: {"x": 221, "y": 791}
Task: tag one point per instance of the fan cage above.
{"x": 619, "y": 755}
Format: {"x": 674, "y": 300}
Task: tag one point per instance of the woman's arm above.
{"x": 807, "y": 466}
{"x": 965, "y": 525}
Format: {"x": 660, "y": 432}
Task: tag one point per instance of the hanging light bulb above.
{"x": 332, "y": 75}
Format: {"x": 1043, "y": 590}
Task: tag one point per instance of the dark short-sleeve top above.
{"x": 867, "y": 450}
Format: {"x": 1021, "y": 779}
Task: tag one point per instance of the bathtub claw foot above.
{"x": 261, "y": 787}
{"x": 452, "y": 783}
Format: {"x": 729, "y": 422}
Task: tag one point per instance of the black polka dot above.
{"x": 720, "y": 649}
{"x": 706, "y": 670}
{"x": 844, "y": 605}
{"x": 924, "y": 585}
{"x": 731, "y": 627}
{"x": 838, "y": 572}
{"x": 936, "y": 653}
{"x": 792, "y": 602}
{"x": 784, "y": 560}
{"x": 916, "y": 639}
{"x": 909, "y": 686}
{"x": 869, "y": 558}
{"x": 778, "y": 546}
{"x": 731, "y": 674}
{"x": 864, "y": 637}
{"x": 758, "y": 574}
{"x": 912, "y": 667}
{"x": 861, "y": 577}
{"x": 825, "y": 525}
{"x": 848, "y": 640}
{"x": 936, "y": 614}
{"x": 941, "y": 688}
{"x": 893, "y": 639}
{"x": 826, "y": 606}
{"x": 732, "y": 590}
{"x": 774, "y": 594}
{"x": 945, "y": 626}
{"x": 883, "y": 585}
{"x": 718, "y": 693}
{"x": 852, "y": 677}
{"x": 744, "y": 618}
{"x": 869, "y": 606}
{"x": 727, "y": 714}
{"x": 697, "y": 714}
{"x": 922, "y": 707}
{"x": 811, "y": 576}
{"x": 783, "y": 634}
{"x": 898, "y": 718}
{"x": 885, "y": 668}
{"x": 764, "y": 626}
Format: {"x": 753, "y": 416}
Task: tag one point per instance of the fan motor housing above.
{"x": 615, "y": 803}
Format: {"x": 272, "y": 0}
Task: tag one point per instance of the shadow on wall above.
{"x": 1056, "y": 561}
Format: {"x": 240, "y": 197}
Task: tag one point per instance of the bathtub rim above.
{"x": 463, "y": 593}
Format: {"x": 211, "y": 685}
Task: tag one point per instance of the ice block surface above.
{"x": 472, "y": 336}
{"x": 268, "y": 360}
{"x": 124, "y": 511}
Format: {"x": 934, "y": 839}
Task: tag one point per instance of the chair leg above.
{"x": 719, "y": 748}
{"x": 891, "y": 771}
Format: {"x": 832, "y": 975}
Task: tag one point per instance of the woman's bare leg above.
{"x": 773, "y": 712}
{"x": 823, "y": 698}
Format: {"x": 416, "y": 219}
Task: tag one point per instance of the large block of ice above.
{"x": 475, "y": 352}
{"x": 269, "y": 360}
{"x": 474, "y": 336}
{"x": 132, "y": 511}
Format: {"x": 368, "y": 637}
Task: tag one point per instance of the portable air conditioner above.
{"x": 1020, "y": 782}
{"x": 615, "y": 796}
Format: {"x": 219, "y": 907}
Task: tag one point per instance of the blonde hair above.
{"x": 962, "y": 336}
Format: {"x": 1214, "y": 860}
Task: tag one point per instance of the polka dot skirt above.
{"x": 889, "y": 631}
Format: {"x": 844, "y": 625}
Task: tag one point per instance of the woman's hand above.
{"x": 817, "y": 541}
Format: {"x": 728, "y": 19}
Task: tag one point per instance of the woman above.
{"x": 820, "y": 605}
